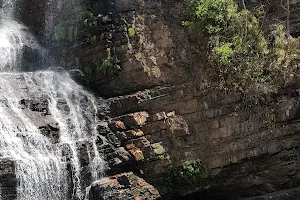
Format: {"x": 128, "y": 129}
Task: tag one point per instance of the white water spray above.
{"x": 46, "y": 168}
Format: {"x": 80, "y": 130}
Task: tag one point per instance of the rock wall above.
{"x": 158, "y": 75}
{"x": 163, "y": 112}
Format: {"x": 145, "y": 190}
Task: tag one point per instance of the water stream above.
{"x": 44, "y": 117}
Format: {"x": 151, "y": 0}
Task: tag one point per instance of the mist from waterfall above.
{"x": 47, "y": 164}
{"x": 14, "y": 38}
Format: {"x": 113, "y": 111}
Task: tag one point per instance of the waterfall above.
{"x": 44, "y": 117}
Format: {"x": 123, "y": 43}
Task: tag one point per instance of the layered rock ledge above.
{"x": 123, "y": 186}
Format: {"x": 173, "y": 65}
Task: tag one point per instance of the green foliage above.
{"x": 285, "y": 54}
{"x": 131, "y": 32}
{"x": 107, "y": 62}
{"x": 102, "y": 65}
{"x": 224, "y": 51}
{"x": 188, "y": 174}
{"x": 242, "y": 57}
{"x": 10, "y": 170}
{"x": 210, "y": 16}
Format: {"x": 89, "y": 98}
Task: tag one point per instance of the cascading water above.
{"x": 14, "y": 37}
{"x": 44, "y": 117}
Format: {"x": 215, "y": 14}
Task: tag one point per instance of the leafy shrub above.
{"x": 242, "y": 57}
{"x": 187, "y": 174}
{"x": 107, "y": 62}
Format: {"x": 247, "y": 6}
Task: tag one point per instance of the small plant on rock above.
{"x": 107, "y": 62}
{"x": 131, "y": 32}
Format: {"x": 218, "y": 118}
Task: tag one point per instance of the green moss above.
{"x": 140, "y": 56}
{"x": 158, "y": 149}
{"x": 10, "y": 170}
{"x": 131, "y": 32}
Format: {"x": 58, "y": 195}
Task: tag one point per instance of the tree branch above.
{"x": 246, "y": 24}
{"x": 244, "y": 5}
{"x": 288, "y": 18}
{"x": 287, "y": 9}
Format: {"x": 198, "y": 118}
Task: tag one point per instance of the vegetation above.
{"x": 184, "y": 176}
{"x": 131, "y": 32}
{"x": 243, "y": 56}
{"x": 189, "y": 173}
{"x": 91, "y": 21}
{"x": 107, "y": 62}
{"x": 10, "y": 170}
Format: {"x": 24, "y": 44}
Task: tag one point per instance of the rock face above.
{"x": 161, "y": 71}
{"x": 8, "y": 180}
{"x": 123, "y": 186}
{"x": 164, "y": 113}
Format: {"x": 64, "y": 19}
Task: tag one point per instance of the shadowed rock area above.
{"x": 8, "y": 180}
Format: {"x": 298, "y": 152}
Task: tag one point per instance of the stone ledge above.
{"x": 123, "y": 186}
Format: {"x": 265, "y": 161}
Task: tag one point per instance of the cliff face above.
{"x": 163, "y": 114}
{"x": 159, "y": 68}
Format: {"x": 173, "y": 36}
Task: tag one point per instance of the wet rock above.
{"x": 77, "y": 75}
{"x": 103, "y": 129}
{"x": 124, "y": 155}
{"x": 117, "y": 125}
{"x": 131, "y": 134}
{"x": 39, "y": 104}
{"x": 8, "y": 180}
{"x": 99, "y": 141}
{"x": 32, "y": 13}
{"x": 31, "y": 58}
{"x": 111, "y": 156}
{"x": 56, "y": 69}
{"x": 4, "y": 103}
{"x": 111, "y": 137}
{"x": 84, "y": 148}
{"x": 51, "y": 131}
{"x": 66, "y": 152}
{"x": 122, "y": 186}
{"x": 62, "y": 105}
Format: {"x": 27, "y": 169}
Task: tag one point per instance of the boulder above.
{"x": 136, "y": 120}
{"x": 117, "y": 125}
{"x": 122, "y": 186}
